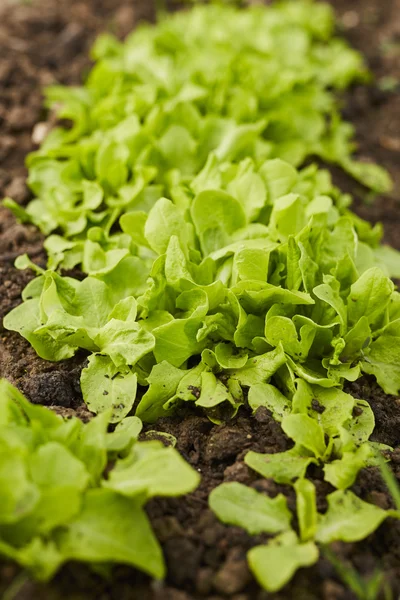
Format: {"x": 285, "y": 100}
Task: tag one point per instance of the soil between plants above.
{"x": 48, "y": 41}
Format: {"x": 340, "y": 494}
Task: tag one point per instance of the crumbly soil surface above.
{"x": 47, "y": 41}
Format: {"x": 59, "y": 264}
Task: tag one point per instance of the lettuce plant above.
{"x": 348, "y": 519}
{"x": 56, "y": 502}
{"x": 327, "y": 426}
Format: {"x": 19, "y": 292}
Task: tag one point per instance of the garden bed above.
{"x": 48, "y": 41}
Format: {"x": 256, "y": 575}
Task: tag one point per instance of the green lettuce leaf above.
{"x": 237, "y": 504}
{"x": 104, "y": 387}
{"x": 112, "y": 528}
{"x": 348, "y": 518}
{"x": 283, "y": 467}
{"x": 152, "y": 470}
{"x": 275, "y": 564}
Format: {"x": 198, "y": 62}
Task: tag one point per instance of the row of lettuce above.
{"x": 218, "y": 272}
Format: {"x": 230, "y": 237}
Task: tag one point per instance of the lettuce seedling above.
{"x": 348, "y": 519}
{"x": 327, "y": 426}
{"x": 56, "y": 502}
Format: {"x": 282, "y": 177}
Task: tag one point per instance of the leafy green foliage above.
{"x": 56, "y": 503}
{"x": 240, "y": 505}
{"x": 155, "y": 107}
{"x": 328, "y": 427}
{"x": 219, "y": 272}
{"x": 371, "y": 588}
{"x": 256, "y": 299}
{"x": 348, "y": 519}
{"x": 275, "y": 564}
{"x": 210, "y": 258}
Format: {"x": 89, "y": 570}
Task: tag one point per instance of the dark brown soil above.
{"x": 48, "y": 40}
